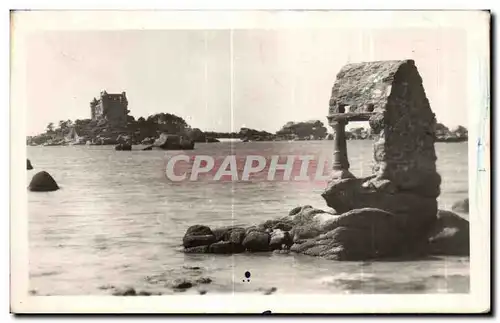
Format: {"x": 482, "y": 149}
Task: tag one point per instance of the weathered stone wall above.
{"x": 404, "y": 149}
{"x": 363, "y": 86}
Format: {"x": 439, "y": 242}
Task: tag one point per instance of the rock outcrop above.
{"x": 43, "y": 182}
{"x": 198, "y": 235}
{"x": 359, "y": 234}
{"x": 449, "y": 235}
{"x": 173, "y": 142}
{"x": 28, "y": 165}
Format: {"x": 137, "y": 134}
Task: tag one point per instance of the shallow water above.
{"x": 118, "y": 222}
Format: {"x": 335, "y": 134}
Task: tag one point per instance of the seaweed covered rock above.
{"x": 43, "y": 182}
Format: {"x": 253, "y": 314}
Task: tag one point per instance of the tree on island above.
{"x": 358, "y": 133}
{"x": 50, "y": 127}
{"x": 443, "y": 134}
{"x": 313, "y": 129}
{"x": 169, "y": 123}
{"x": 146, "y": 130}
{"x": 460, "y": 132}
{"x": 248, "y": 134}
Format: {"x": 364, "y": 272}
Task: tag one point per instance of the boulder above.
{"x": 355, "y": 235}
{"x": 43, "y": 182}
{"x": 123, "y": 139}
{"x": 219, "y": 233}
{"x": 123, "y": 147}
{"x": 305, "y": 215}
{"x": 253, "y": 228}
{"x": 181, "y": 283}
{"x": 29, "y": 166}
{"x": 198, "y": 240}
{"x": 280, "y": 239}
{"x": 225, "y": 247}
{"x": 198, "y": 229}
{"x": 297, "y": 209}
{"x": 147, "y": 141}
{"x": 204, "y": 280}
{"x": 323, "y": 220}
{"x": 235, "y": 236}
{"x": 418, "y": 212}
{"x": 187, "y": 144}
{"x": 256, "y": 241}
{"x": 107, "y": 141}
{"x": 173, "y": 142}
{"x": 285, "y": 224}
{"x": 306, "y": 231}
{"x": 225, "y": 233}
{"x": 461, "y": 206}
{"x": 198, "y": 235}
{"x": 449, "y": 235}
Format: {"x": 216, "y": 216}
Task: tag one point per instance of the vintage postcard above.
{"x": 250, "y": 162}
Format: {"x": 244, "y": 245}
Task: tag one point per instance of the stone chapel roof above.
{"x": 360, "y": 85}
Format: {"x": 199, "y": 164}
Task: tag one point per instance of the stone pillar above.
{"x": 340, "y": 161}
{"x": 340, "y": 167}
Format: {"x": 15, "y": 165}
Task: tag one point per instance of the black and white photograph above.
{"x": 192, "y": 158}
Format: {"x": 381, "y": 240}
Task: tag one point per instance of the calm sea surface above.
{"x": 118, "y": 222}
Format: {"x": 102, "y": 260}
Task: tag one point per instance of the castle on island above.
{"x": 110, "y": 107}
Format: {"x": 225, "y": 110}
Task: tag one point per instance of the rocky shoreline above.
{"x": 147, "y": 131}
{"x": 361, "y": 234}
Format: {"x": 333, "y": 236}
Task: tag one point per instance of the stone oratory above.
{"x": 391, "y": 97}
{"x": 391, "y": 213}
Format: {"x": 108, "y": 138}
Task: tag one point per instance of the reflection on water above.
{"x": 117, "y": 220}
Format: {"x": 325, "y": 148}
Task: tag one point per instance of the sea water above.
{"x": 118, "y": 222}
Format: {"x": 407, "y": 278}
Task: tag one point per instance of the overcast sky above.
{"x": 274, "y": 76}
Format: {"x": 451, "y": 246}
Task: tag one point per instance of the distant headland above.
{"x": 110, "y": 124}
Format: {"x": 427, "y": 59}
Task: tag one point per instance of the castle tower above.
{"x": 110, "y": 107}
